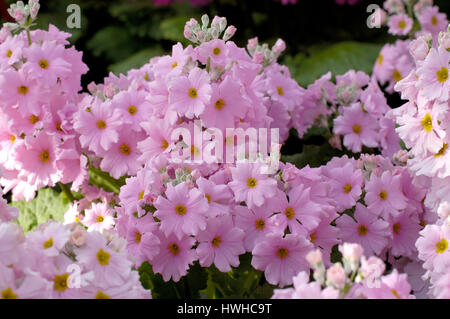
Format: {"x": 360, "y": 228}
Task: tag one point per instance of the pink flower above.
{"x": 98, "y": 126}
{"x": 400, "y": 24}
{"x": 345, "y": 183}
{"x": 227, "y": 105}
{"x": 392, "y": 286}
{"x": 142, "y": 242}
{"x": 256, "y": 224}
{"x": 220, "y": 243}
{"x": 50, "y": 239}
{"x": 219, "y": 196}
{"x": 405, "y": 231}
{"x": 433, "y": 75}
{"x": 190, "y": 95}
{"x": 158, "y": 139}
{"x": 281, "y": 258}
{"x": 99, "y": 217}
{"x": 134, "y": 107}
{"x": 109, "y": 265}
{"x": 300, "y": 211}
{"x": 431, "y": 20}
{"x": 174, "y": 257}
{"x": 251, "y": 185}
{"x": 358, "y": 128}
{"x": 368, "y": 231}
{"x": 216, "y": 50}
{"x": 433, "y": 247}
{"x": 384, "y": 194}
{"x": 183, "y": 212}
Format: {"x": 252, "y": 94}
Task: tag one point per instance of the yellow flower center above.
{"x": 8, "y": 293}
{"x": 216, "y": 241}
{"x": 260, "y": 224}
{"x": 45, "y": 157}
{"x": 174, "y": 65}
{"x": 141, "y": 195}
{"x": 138, "y": 237}
{"x": 132, "y": 109}
{"x": 380, "y": 59}
{"x": 101, "y": 125}
{"x": 164, "y": 144}
{"x": 312, "y": 237}
{"x": 174, "y": 249}
{"x": 125, "y": 149}
{"x": 43, "y": 64}
{"x": 442, "y": 151}
{"x": 216, "y": 51}
{"x": 442, "y": 75}
{"x": 9, "y": 53}
{"x": 103, "y": 257}
{"x": 282, "y": 253}
{"x": 356, "y": 129}
{"x": 280, "y": 91}
{"x": 289, "y": 212}
{"x": 101, "y": 295}
{"x": 60, "y": 282}
{"x": 192, "y": 93}
{"x": 396, "y": 228}
{"x": 347, "y": 188}
{"x": 441, "y": 246}
{"x": 362, "y": 230}
{"x": 427, "y": 123}
{"x": 22, "y": 90}
{"x": 383, "y": 195}
{"x": 397, "y": 75}
{"x": 251, "y": 182}
{"x": 48, "y": 244}
{"x": 33, "y": 119}
{"x": 219, "y": 104}
{"x": 180, "y": 209}
{"x": 402, "y": 24}
{"x": 195, "y": 150}
{"x": 395, "y": 293}
{"x": 12, "y": 138}
{"x": 434, "y": 20}
{"x": 100, "y": 219}
{"x": 208, "y": 197}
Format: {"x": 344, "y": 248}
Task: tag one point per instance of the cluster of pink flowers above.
{"x": 422, "y": 124}
{"x": 356, "y": 277}
{"x": 56, "y": 261}
{"x": 39, "y": 84}
{"x": 205, "y": 2}
{"x": 394, "y": 62}
{"x": 358, "y": 107}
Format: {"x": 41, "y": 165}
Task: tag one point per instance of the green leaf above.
{"x": 337, "y": 58}
{"x": 102, "y": 179}
{"x": 47, "y": 205}
{"x": 112, "y": 42}
{"x": 312, "y": 155}
{"x": 135, "y": 61}
{"x": 172, "y": 28}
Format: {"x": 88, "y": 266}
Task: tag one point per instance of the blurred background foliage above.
{"x": 117, "y": 35}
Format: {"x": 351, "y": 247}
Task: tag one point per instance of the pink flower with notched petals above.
{"x": 358, "y": 128}
{"x": 368, "y": 231}
{"x": 226, "y": 106}
{"x": 99, "y": 217}
{"x": 384, "y": 194}
{"x": 98, "y": 126}
{"x": 142, "y": 242}
{"x": 190, "y": 95}
{"x": 38, "y": 156}
{"x": 122, "y": 157}
{"x": 220, "y": 243}
{"x": 400, "y": 24}
{"x": 433, "y": 247}
{"x": 183, "y": 212}
{"x": 433, "y": 75}
{"x": 133, "y": 106}
{"x": 174, "y": 257}
{"x": 346, "y": 183}
{"x": 405, "y": 231}
{"x": 158, "y": 141}
{"x": 251, "y": 185}
{"x": 256, "y": 224}
{"x": 433, "y": 21}
{"x": 281, "y": 258}
{"x": 219, "y": 196}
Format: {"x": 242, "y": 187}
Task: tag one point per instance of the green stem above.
{"x": 28, "y": 36}
{"x": 66, "y": 191}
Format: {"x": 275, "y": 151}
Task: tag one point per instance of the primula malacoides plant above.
{"x": 174, "y": 169}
